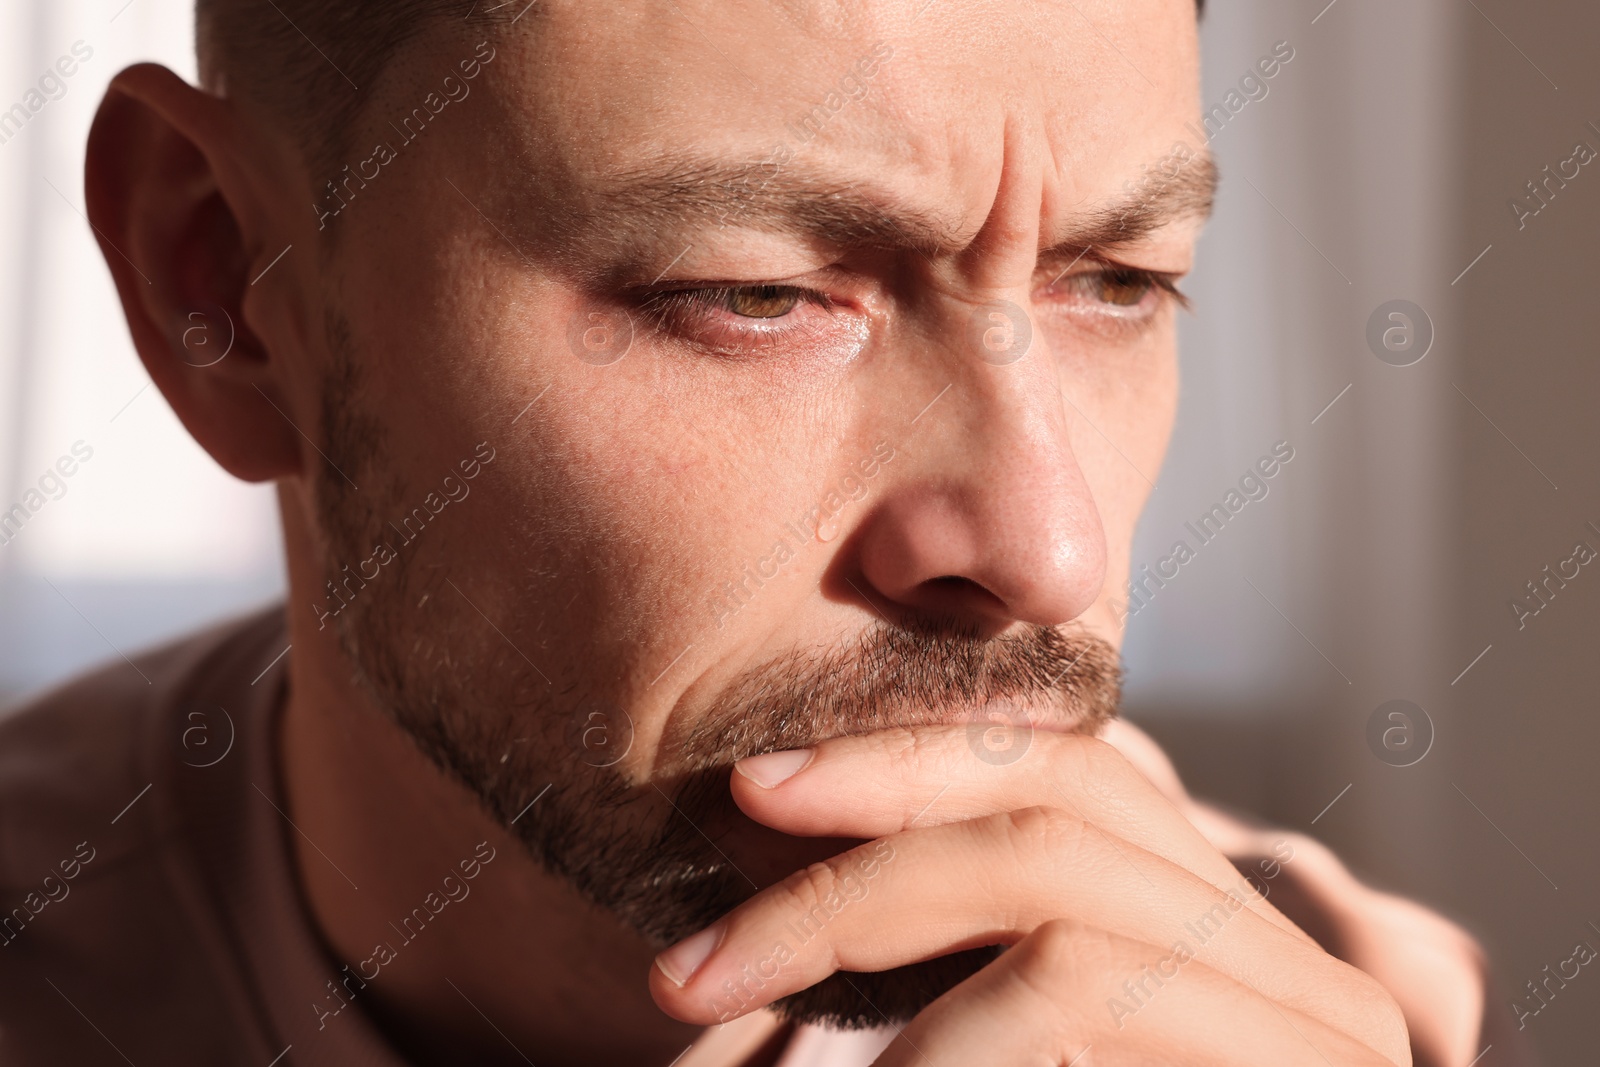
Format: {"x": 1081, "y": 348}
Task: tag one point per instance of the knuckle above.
{"x": 810, "y": 886}
{"x": 916, "y": 749}
{"x": 910, "y": 753}
{"x": 814, "y": 896}
{"x": 1059, "y": 964}
{"x": 1050, "y": 949}
{"x": 1039, "y": 831}
{"x": 1043, "y": 964}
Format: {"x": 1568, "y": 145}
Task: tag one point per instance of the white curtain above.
{"x": 146, "y": 537}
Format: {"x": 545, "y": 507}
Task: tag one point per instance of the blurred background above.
{"x": 1380, "y": 164}
{"x": 148, "y": 536}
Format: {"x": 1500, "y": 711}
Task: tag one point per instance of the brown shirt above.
{"x": 184, "y": 938}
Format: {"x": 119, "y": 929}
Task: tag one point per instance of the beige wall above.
{"x": 1529, "y": 723}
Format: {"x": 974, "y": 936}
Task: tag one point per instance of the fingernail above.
{"x": 774, "y": 768}
{"x": 683, "y": 959}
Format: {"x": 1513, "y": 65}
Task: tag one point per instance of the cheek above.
{"x": 1161, "y": 399}
{"x": 1121, "y": 401}
{"x": 659, "y": 480}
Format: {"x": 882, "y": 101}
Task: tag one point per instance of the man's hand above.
{"x": 1069, "y": 855}
{"x": 1436, "y": 971}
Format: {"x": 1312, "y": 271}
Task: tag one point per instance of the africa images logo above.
{"x": 340, "y": 192}
{"x": 50, "y": 87}
{"x": 343, "y": 592}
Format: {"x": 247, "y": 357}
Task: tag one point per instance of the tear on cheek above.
{"x": 846, "y": 342}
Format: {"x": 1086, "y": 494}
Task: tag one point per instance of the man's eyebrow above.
{"x": 771, "y": 196}
{"x": 1160, "y": 200}
{"x": 640, "y": 205}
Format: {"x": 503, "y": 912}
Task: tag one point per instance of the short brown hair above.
{"x": 311, "y": 61}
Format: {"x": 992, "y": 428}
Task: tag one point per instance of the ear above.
{"x": 180, "y": 222}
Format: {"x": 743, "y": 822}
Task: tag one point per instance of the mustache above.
{"x": 897, "y": 676}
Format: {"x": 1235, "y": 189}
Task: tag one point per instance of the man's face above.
{"x": 821, "y": 381}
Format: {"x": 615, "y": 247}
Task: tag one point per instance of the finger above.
{"x": 1074, "y": 995}
{"x": 875, "y": 784}
{"x": 981, "y": 882}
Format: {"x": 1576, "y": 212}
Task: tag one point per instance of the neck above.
{"x": 467, "y": 950}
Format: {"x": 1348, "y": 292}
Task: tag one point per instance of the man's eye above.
{"x": 744, "y": 301}
{"x": 1121, "y": 288}
{"x": 1123, "y": 292}
{"x": 733, "y": 319}
{"x": 762, "y": 301}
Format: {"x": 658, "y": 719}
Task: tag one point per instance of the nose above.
{"x": 989, "y": 519}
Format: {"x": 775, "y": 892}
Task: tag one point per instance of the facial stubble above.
{"x": 649, "y": 852}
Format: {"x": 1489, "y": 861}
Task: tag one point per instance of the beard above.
{"x": 673, "y": 854}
